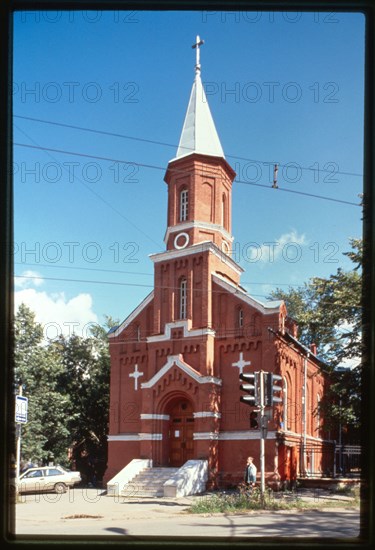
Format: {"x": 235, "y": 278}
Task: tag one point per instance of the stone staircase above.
{"x": 148, "y": 483}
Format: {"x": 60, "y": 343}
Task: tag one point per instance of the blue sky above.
{"x": 285, "y": 88}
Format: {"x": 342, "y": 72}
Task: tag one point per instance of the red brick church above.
{"x": 176, "y": 359}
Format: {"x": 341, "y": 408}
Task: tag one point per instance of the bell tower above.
{"x": 198, "y": 237}
{"x": 199, "y": 178}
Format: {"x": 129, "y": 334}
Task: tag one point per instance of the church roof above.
{"x": 287, "y": 336}
{"x": 270, "y": 306}
{"x": 115, "y": 331}
{"x": 199, "y": 133}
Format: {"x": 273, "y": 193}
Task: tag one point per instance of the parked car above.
{"x": 45, "y": 479}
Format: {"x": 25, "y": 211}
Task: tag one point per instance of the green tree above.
{"x": 39, "y": 368}
{"x": 67, "y": 385}
{"x": 301, "y": 308}
{"x": 329, "y": 314}
{"x": 85, "y": 379}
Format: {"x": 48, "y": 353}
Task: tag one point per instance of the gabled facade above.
{"x": 176, "y": 360}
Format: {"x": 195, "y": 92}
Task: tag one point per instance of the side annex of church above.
{"x": 176, "y": 359}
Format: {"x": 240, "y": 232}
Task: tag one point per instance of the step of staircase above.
{"x": 148, "y": 483}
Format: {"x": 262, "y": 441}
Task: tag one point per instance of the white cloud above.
{"x": 56, "y": 313}
{"x": 28, "y": 279}
{"x": 287, "y": 247}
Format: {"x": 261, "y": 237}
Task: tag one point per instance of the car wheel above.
{"x": 60, "y": 488}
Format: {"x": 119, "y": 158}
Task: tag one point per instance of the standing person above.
{"x": 250, "y": 472}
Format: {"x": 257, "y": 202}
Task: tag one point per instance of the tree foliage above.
{"x": 329, "y": 314}
{"x": 85, "y": 378}
{"x": 67, "y": 385}
{"x": 38, "y": 368}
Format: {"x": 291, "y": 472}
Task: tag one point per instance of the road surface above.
{"x": 86, "y": 513}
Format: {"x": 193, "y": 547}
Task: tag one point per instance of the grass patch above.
{"x": 347, "y": 490}
{"x": 236, "y": 502}
{"x": 242, "y": 501}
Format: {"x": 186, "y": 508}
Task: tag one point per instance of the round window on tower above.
{"x": 181, "y": 240}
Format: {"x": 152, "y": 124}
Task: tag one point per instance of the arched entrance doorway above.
{"x": 181, "y": 430}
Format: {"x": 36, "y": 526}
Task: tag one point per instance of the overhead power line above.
{"x": 117, "y": 283}
{"x": 95, "y": 193}
{"x": 109, "y": 159}
{"x": 156, "y": 142}
{"x": 212, "y": 291}
{"x": 122, "y": 272}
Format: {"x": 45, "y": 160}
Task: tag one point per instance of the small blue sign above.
{"x": 21, "y": 409}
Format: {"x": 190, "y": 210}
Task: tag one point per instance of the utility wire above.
{"x": 119, "y": 271}
{"x": 123, "y": 284}
{"x": 124, "y": 136}
{"x": 212, "y": 291}
{"x": 86, "y": 155}
{"x": 92, "y": 191}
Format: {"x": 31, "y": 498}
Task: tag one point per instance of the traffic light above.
{"x": 272, "y": 389}
{"x": 251, "y": 388}
{"x": 254, "y": 423}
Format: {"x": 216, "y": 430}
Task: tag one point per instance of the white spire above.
{"x": 199, "y": 134}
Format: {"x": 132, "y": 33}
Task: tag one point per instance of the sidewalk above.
{"x": 91, "y": 501}
{"x": 95, "y": 502}
{"x": 89, "y": 512}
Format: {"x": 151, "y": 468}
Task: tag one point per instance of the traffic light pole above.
{"x": 262, "y": 391}
{"x": 262, "y": 430}
{"x": 18, "y": 443}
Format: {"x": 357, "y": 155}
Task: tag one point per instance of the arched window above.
{"x": 136, "y": 336}
{"x": 318, "y": 420}
{"x": 183, "y": 298}
{"x": 224, "y": 211}
{"x": 256, "y": 325}
{"x": 184, "y": 204}
{"x": 307, "y": 411}
{"x": 285, "y": 404}
{"x": 240, "y": 317}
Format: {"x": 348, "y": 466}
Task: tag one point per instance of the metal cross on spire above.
{"x": 197, "y": 45}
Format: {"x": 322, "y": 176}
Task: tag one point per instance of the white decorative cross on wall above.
{"x": 136, "y": 375}
{"x": 240, "y": 364}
